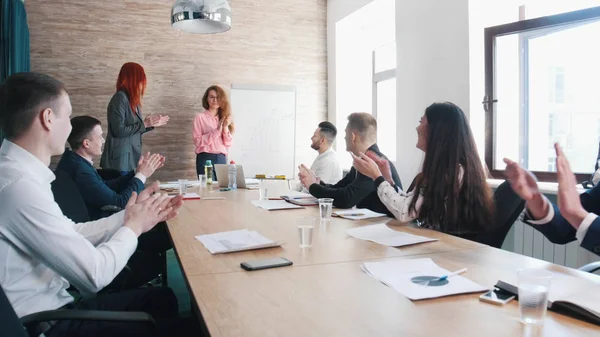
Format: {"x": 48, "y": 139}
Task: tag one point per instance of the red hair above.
{"x": 132, "y": 80}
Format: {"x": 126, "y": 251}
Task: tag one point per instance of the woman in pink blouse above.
{"x": 213, "y": 129}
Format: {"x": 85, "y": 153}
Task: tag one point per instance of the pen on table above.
{"x": 275, "y": 199}
{"x": 460, "y": 271}
{"x": 354, "y": 214}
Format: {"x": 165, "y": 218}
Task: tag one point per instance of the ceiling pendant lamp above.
{"x": 201, "y": 16}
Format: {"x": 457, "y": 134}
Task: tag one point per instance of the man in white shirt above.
{"x": 42, "y": 251}
{"x": 326, "y": 166}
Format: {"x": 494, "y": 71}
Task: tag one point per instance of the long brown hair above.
{"x": 132, "y": 80}
{"x": 456, "y": 207}
{"x": 224, "y": 107}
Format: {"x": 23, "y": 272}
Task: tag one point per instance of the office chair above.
{"x": 591, "y": 267}
{"x": 34, "y": 325}
{"x": 508, "y": 208}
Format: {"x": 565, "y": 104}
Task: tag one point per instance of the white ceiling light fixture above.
{"x": 201, "y": 16}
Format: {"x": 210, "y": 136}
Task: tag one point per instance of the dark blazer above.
{"x": 558, "y": 230}
{"x": 96, "y": 192}
{"x": 123, "y": 147}
{"x": 356, "y": 189}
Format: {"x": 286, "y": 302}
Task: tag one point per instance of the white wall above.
{"x": 433, "y": 65}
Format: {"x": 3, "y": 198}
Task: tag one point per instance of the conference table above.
{"x": 325, "y": 292}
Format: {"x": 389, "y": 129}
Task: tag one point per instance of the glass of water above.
{"x": 202, "y": 180}
{"x": 264, "y": 191}
{"x": 305, "y": 230}
{"x": 325, "y": 205}
{"x": 183, "y": 186}
{"x": 533, "y": 295}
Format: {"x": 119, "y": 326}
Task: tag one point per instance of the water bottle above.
{"x": 208, "y": 171}
{"x": 232, "y": 173}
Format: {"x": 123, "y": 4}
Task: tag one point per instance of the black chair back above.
{"x": 68, "y": 198}
{"x": 508, "y": 208}
{"x": 11, "y": 325}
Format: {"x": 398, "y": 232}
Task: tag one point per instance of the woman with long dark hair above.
{"x": 213, "y": 129}
{"x": 450, "y": 194}
{"x": 123, "y": 147}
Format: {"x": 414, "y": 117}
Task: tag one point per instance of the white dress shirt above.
{"x": 583, "y": 226}
{"x": 41, "y": 250}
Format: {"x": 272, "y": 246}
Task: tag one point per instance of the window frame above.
{"x": 381, "y": 76}
{"x": 527, "y": 29}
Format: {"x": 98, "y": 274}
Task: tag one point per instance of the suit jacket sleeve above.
{"x": 121, "y": 182}
{"x": 117, "y": 121}
{"x": 98, "y": 194}
{"x": 348, "y": 192}
{"x": 559, "y": 231}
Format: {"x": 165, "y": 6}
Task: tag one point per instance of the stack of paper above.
{"x": 384, "y": 235}
{"x": 235, "y": 241}
{"x": 272, "y": 205}
{"x": 397, "y": 274}
{"x": 357, "y": 214}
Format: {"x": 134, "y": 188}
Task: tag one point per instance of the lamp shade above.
{"x": 201, "y": 16}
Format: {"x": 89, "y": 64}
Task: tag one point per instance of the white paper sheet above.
{"x": 188, "y": 196}
{"x": 358, "y": 214}
{"x": 397, "y": 274}
{"x": 272, "y": 205}
{"x": 386, "y": 236}
{"x": 234, "y": 241}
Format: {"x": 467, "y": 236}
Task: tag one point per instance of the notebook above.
{"x": 581, "y": 300}
{"x": 398, "y": 274}
{"x": 301, "y": 199}
{"x": 357, "y": 214}
{"x": 235, "y": 241}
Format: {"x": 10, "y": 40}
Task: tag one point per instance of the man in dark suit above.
{"x": 574, "y": 218}
{"x": 355, "y": 189}
{"x": 86, "y": 142}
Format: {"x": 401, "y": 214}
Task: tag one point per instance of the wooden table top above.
{"x": 325, "y": 292}
{"x": 330, "y": 242}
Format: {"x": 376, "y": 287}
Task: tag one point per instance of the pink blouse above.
{"x": 207, "y": 135}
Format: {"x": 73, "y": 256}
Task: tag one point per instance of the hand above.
{"x": 524, "y": 183}
{"x": 307, "y": 177}
{"x": 175, "y": 203}
{"x": 568, "y": 197}
{"x": 155, "y": 120}
{"x": 150, "y": 163}
{"x": 143, "y": 216}
{"x": 384, "y": 166}
{"x": 366, "y": 166}
{"x": 227, "y": 121}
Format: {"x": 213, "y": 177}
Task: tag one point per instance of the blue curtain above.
{"x": 14, "y": 40}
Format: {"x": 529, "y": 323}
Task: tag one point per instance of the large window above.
{"x": 364, "y": 58}
{"x": 542, "y": 87}
{"x": 384, "y": 94}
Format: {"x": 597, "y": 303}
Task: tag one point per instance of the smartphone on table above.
{"x": 265, "y": 264}
{"x": 497, "y": 296}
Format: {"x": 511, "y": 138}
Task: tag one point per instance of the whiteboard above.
{"x": 265, "y": 129}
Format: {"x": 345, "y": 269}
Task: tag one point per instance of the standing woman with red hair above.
{"x": 123, "y": 147}
{"x": 213, "y": 129}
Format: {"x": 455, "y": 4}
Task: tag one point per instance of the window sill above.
{"x": 545, "y": 187}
